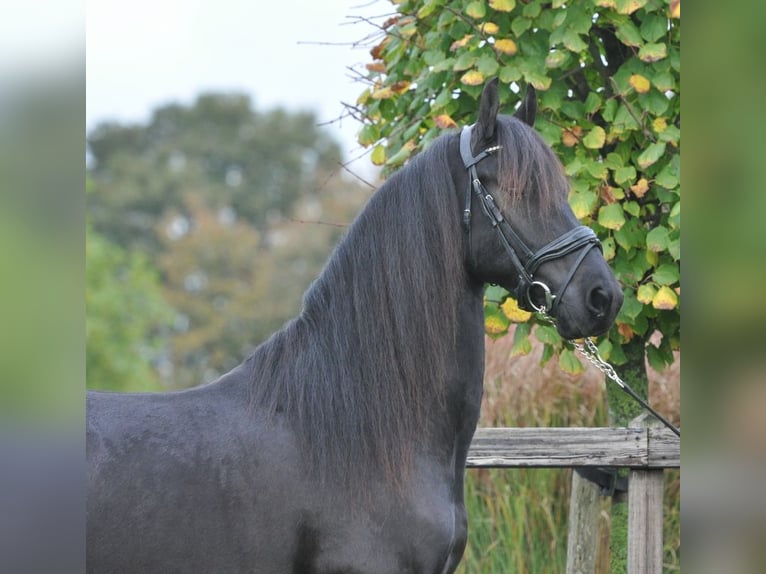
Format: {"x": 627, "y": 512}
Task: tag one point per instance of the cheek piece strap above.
{"x": 530, "y": 294}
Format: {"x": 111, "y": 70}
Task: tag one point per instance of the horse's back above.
{"x": 186, "y": 482}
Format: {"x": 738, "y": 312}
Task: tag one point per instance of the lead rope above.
{"x": 589, "y": 350}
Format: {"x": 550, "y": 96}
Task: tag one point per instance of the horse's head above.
{"x": 521, "y": 232}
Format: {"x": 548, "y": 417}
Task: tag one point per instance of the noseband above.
{"x": 525, "y": 261}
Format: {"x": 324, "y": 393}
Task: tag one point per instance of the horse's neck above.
{"x": 465, "y": 385}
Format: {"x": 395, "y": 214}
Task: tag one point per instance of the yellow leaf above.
{"x": 444, "y": 121}
{"x": 665, "y": 299}
{"x": 378, "y": 156}
{"x": 640, "y": 83}
{"x": 675, "y": 8}
{"x": 476, "y": 10}
{"x": 595, "y": 138}
{"x": 626, "y": 331}
{"x": 502, "y": 5}
{"x": 570, "y": 137}
{"x": 376, "y": 66}
{"x": 506, "y": 46}
{"x": 460, "y": 43}
{"x": 382, "y": 93}
{"x": 511, "y": 310}
{"x": 472, "y": 78}
{"x": 640, "y": 188}
{"x": 400, "y": 87}
{"x": 490, "y": 28}
{"x": 629, "y": 6}
{"x": 493, "y": 325}
{"x": 363, "y": 97}
{"x": 645, "y": 293}
{"x": 659, "y": 125}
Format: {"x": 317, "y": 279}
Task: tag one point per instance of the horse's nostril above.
{"x": 599, "y": 300}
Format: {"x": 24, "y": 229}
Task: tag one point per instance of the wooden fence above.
{"x": 645, "y": 449}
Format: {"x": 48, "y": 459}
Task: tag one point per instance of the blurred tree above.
{"x": 207, "y": 193}
{"x": 125, "y": 317}
{"x": 256, "y": 164}
{"x": 229, "y": 293}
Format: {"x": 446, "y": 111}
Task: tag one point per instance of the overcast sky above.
{"x": 144, "y": 53}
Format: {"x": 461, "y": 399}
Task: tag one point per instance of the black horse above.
{"x": 339, "y": 446}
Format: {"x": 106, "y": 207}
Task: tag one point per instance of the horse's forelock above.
{"x": 528, "y": 166}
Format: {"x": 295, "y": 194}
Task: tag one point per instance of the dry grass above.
{"x": 518, "y": 518}
{"x": 520, "y": 392}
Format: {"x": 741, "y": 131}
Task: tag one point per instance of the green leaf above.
{"x": 510, "y": 74}
{"x": 631, "y": 308}
{"x": 611, "y": 216}
{"x": 464, "y": 61}
{"x": 595, "y": 138}
{"x": 487, "y": 65}
{"x": 569, "y": 363}
{"x": 548, "y": 352}
{"x": 555, "y": 58}
{"x": 656, "y": 358}
{"x": 668, "y": 177}
{"x": 666, "y": 274}
{"x": 664, "y": 81}
{"x": 592, "y": 103}
{"x": 548, "y": 335}
{"x": 368, "y": 135}
{"x": 520, "y": 25}
{"x": 646, "y": 293}
{"x": 583, "y": 203}
{"x": 629, "y": 35}
{"x": 521, "y": 343}
{"x": 400, "y": 157}
{"x": 531, "y": 10}
{"x": 428, "y": 8}
{"x": 651, "y": 154}
{"x": 654, "y": 27}
{"x": 625, "y": 174}
{"x": 476, "y": 10}
{"x": 674, "y": 248}
{"x": 657, "y": 239}
{"x": 596, "y": 169}
{"x": 502, "y": 5}
{"x": 573, "y": 42}
{"x": 632, "y": 208}
{"x": 605, "y": 349}
{"x": 652, "y": 52}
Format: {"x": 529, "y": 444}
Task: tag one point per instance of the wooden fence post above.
{"x": 582, "y": 538}
{"x": 645, "y": 516}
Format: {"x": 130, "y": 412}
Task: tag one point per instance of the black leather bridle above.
{"x": 525, "y": 261}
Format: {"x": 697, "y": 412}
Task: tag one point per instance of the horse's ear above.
{"x": 528, "y": 108}
{"x": 488, "y": 107}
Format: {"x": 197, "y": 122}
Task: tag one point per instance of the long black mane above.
{"x": 355, "y": 370}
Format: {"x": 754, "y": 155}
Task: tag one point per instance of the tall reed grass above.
{"x": 518, "y": 517}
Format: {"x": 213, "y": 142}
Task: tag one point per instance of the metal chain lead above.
{"x": 589, "y": 350}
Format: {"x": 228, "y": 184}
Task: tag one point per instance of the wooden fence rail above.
{"x": 645, "y": 450}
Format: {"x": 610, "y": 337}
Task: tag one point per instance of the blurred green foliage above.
{"x": 125, "y": 318}
{"x": 205, "y": 228}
